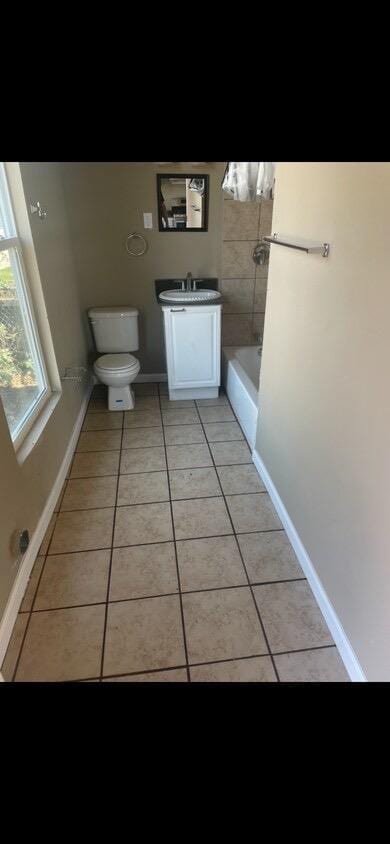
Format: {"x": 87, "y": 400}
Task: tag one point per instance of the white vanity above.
{"x": 193, "y": 346}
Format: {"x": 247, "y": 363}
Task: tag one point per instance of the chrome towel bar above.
{"x": 309, "y": 246}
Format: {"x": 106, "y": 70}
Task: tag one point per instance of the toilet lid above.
{"x": 116, "y": 362}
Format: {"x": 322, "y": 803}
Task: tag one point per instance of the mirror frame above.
{"x": 161, "y": 176}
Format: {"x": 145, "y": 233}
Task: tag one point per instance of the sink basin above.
{"x": 190, "y": 296}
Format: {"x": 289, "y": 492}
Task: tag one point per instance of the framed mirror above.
{"x": 182, "y": 201}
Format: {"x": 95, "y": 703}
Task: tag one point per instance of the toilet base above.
{"x": 121, "y": 398}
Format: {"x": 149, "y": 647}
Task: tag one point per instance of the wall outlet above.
{"x": 148, "y": 221}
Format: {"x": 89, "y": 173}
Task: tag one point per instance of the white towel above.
{"x": 249, "y": 181}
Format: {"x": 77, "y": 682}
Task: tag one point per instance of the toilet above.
{"x": 115, "y": 331}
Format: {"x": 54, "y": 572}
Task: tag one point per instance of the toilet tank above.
{"x": 115, "y": 329}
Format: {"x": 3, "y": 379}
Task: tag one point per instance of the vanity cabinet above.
{"x": 193, "y": 350}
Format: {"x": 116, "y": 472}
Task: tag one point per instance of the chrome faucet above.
{"x": 189, "y": 282}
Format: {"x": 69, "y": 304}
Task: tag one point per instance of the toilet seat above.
{"x": 117, "y": 363}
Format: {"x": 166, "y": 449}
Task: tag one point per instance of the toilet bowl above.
{"x": 115, "y": 330}
{"x": 118, "y": 371}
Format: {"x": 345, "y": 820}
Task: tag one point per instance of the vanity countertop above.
{"x": 162, "y": 284}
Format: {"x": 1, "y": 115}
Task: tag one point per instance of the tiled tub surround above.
{"x": 244, "y": 284}
{"x": 166, "y": 561}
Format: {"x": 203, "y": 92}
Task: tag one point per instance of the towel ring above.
{"x": 139, "y": 236}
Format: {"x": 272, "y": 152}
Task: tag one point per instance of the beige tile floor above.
{"x": 165, "y": 561}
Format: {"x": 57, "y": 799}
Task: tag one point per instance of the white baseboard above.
{"x": 141, "y": 379}
{"x": 27, "y": 562}
{"x": 154, "y": 376}
{"x": 343, "y": 644}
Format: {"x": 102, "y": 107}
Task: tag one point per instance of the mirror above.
{"x": 182, "y": 201}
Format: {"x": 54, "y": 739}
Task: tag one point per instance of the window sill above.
{"x": 38, "y": 427}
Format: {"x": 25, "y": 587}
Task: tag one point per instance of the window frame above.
{"x": 26, "y": 303}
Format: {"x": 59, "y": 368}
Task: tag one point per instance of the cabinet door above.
{"x": 193, "y": 346}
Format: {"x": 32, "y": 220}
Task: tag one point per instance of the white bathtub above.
{"x": 241, "y": 373}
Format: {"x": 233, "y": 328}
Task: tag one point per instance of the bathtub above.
{"x": 240, "y": 374}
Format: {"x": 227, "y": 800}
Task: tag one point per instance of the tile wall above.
{"x": 243, "y": 284}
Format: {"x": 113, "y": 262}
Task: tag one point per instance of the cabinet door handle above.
{"x": 177, "y": 310}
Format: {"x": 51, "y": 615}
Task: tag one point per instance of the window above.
{"x": 24, "y": 384}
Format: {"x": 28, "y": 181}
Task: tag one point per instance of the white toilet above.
{"x": 116, "y": 331}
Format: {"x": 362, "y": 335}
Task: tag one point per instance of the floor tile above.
{"x": 163, "y": 388}
{"x": 142, "y": 419}
{"x": 173, "y": 675}
{"x": 291, "y": 617}
{"x": 143, "y": 460}
{"x": 180, "y": 417}
{"x": 227, "y": 454}
{"x": 143, "y": 523}
{"x": 240, "y": 479}
{"x": 253, "y": 512}
{"x": 11, "y": 657}
{"x": 269, "y": 556}
{"x": 216, "y": 414}
{"x": 83, "y": 530}
{"x": 166, "y": 404}
{"x": 98, "y": 405}
{"x": 63, "y": 645}
{"x": 142, "y": 438}
{"x": 210, "y": 563}
{"x": 200, "y": 517}
{"x": 184, "y": 434}
{"x": 188, "y": 456}
{"x": 103, "y": 421}
{"x": 217, "y": 402}
{"x": 194, "y": 483}
{"x": 323, "y": 665}
{"x": 142, "y": 571}
{"x": 146, "y": 389}
{"x": 223, "y": 432}
{"x": 48, "y": 535}
{"x": 147, "y": 403}
{"x": 32, "y": 585}
{"x": 95, "y": 464}
{"x": 88, "y": 493}
{"x": 73, "y": 579}
{"x": 99, "y": 441}
{"x": 143, "y": 635}
{"x": 254, "y": 670}
{"x": 143, "y": 488}
{"x": 222, "y": 625}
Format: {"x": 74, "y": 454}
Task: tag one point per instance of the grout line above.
{"x": 111, "y": 450}
{"x": 166, "y": 594}
{"x": 30, "y": 612}
{"x": 176, "y": 560}
{"x": 161, "y": 542}
{"x": 111, "y": 555}
{"x": 244, "y": 566}
{"x": 199, "y": 664}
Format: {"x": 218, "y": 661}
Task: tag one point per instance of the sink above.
{"x": 190, "y": 296}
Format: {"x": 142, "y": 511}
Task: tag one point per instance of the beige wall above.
{"x": 103, "y": 201}
{"x": 24, "y": 489}
{"x": 324, "y": 424}
{"x": 244, "y": 283}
